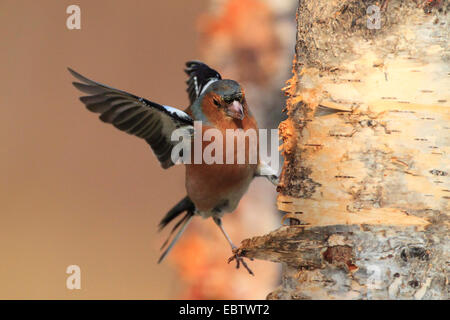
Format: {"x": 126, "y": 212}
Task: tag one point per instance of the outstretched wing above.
{"x": 200, "y": 77}
{"x": 134, "y": 115}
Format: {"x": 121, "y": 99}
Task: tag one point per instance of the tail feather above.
{"x": 186, "y": 219}
{"x": 185, "y": 205}
{"x": 175, "y": 227}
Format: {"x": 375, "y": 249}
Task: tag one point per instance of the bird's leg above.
{"x": 235, "y": 255}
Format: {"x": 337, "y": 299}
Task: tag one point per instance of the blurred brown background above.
{"x": 76, "y": 191}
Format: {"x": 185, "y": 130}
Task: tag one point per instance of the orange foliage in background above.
{"x": 241, "y": 38}
{"x": 201, "y": 260}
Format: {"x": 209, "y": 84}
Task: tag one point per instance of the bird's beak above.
{"x": 235, "y": 110}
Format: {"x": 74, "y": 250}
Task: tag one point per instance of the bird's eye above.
{"x": 216, "y": 102}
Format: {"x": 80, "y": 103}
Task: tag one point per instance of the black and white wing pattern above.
{"x": 200, "y": 77}
{"x": 134, "y": 115}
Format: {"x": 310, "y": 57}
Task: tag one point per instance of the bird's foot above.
{"x": 240, "y": 260}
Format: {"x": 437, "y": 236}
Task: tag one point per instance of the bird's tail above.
{"x": 185, "y": 205}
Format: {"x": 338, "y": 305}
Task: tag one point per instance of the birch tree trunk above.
{"x": 367, "y": 147}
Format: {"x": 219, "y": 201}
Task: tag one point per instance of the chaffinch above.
{"x": 212, "y": 189}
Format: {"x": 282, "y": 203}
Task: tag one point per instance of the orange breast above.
{"x": 210, "y": 185}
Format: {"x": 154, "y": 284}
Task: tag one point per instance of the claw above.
{"x": 240, "y": 260}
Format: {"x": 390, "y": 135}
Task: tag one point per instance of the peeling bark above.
{"x": 366, "y": 180}
{"x": 356, "y": 262}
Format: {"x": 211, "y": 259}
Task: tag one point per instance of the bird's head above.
{"x": 228, "y": 97}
